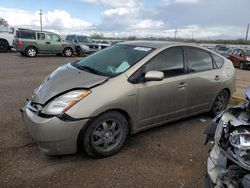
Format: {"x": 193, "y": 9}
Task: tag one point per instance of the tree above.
{"x": 3, "y": 23}
{"x": 132, "y": 38}
{"x": 96, "y": 35}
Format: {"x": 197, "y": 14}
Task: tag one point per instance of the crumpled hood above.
{"x": 63, "y": 79}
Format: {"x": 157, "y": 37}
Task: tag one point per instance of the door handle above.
{"x": 182, "y": 85}
{"x": 47, "y": 42}
{"x": 217, "y": 77}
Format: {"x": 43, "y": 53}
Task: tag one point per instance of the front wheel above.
{"x": 68, "y": 52}
{"x": 105, "y": 135}
{"x": 220, "y": 103}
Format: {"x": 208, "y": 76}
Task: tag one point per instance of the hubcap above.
{"x": 32, "y": 52}
{"x": 68, "y": 52}
{"x": 107, "y": 135}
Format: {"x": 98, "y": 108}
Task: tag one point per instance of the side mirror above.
{"x": 154, "y": 76}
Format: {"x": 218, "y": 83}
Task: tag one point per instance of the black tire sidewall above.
{"x": 6, "y": 44}
{"x": 88, "y": 147}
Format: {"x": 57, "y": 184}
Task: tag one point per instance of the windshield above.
{"x": 83, "y": 39}
{"x": 113, "y": 60}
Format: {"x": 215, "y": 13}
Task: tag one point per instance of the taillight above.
{"x": 19, "y": 43}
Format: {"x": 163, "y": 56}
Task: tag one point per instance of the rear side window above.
{"x": 40, "y": 36}
{"x": 218, "y": 60}
{"x": 199, "y": 60}
{"x": 27, "y": 35}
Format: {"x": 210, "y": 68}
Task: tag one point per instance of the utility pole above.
{"x": 175, "y": 34}
{"x": 41, "y": 19}
{"x": 247, "y": 32}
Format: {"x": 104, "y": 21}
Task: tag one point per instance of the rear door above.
{"x": 204, "y": 80}
{"x": 41, "y": 42}
{"x": 54, "y": 43}
{"x": 161, "y": 101}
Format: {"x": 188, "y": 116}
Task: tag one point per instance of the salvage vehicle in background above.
{"x": 221, "y": 49}
{"x": 103, "y": 43}
{"x": 228, "y": 164}
{"x": 97, "y": 101}
{"x": 6, "y": 39}
{"x": 228, "y": 52}
{"x": 82, "y": 44}
{"x": 241, "y": 58}
{"x": 32, "y": 42}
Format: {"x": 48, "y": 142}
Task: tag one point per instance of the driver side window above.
{"x": 170, "y": 62}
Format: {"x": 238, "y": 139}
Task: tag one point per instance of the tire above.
{"x": 4, "y": 46}
{"x": 241, "y": 66}
{"x": 105, "y": 135}
{"x": 68, "y": 52}
{"x": 78, "y": 51}
{"x": 31, "y": 52}
{"x": 220, "y": 103}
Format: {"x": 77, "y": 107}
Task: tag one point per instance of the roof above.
{"x": 150, "y": 44}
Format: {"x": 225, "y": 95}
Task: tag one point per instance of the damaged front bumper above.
{"x": 225, "y": 172}
{"x": 53, "y": 135}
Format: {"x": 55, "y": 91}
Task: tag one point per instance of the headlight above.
{"x": 240, "y": 138}
{"x": 64, "y": 102}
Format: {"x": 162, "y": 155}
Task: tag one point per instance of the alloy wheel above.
{"x": 220, "y": 102}
{"x": 107, "y": 135}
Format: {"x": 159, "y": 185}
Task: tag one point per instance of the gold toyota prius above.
{"x": 96, "y": 102}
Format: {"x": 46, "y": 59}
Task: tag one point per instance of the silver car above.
{"x": 96, "y": 102}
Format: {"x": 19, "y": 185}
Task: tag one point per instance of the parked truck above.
{"x": 6, "y": 39}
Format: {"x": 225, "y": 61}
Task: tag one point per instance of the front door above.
{"x": 54, "y": 44}
{"x": 162, "y": 101}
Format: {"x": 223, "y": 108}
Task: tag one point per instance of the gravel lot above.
{"x": 168, "y": 156}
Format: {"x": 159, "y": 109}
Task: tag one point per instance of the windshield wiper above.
{"x": 91, "y": 70}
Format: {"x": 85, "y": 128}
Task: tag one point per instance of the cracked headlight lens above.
{"x": 64, "y": 102}
{"x": 240, "y": 138}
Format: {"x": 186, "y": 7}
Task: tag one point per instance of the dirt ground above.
{"x": 242, "y": 82}
{"x": 172, "y": 155}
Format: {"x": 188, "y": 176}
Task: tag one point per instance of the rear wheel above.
{"x": 68, "y": 52}
{"x": 106, "y": 135}
{"x": 220, "y": 103}
{"x": 4, "y": 46}
{"x": 31, "y": 52}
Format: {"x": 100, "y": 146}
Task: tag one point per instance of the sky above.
{"x": 206, "y": 19}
